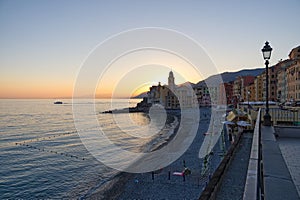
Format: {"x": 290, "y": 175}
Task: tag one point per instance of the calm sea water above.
{"x": 43, "y": 157}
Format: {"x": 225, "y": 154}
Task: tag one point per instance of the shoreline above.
{"x": 164, "y": 183}
{"x": 113, "y": 188}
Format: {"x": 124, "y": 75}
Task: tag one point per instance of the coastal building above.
{"x": 161, "y": 94}
{"x": 172, "y": 96}
{"x": 170, "y": 100}
{"x": 263, "y": 76}
{"x": 247, "y": 81}
{"x": 171, "y": 81}
{"x": 251, "y": 92}
{"x": 154, "y": 94}
{"x": 239, "y": 87}
{"x": 258, "y": 84}
{"x": 186, "y": 95}
{"x": 295, "y": 53}
{"x": 214, "y": 94}
{"x": 202, "y": 93}
{"x": 282, "y": 93}
{"x": 273, "y": 71}
{"x": 293, "y": 76}
{"x": 226, "y": 93}
{"x": 284, "y": 85}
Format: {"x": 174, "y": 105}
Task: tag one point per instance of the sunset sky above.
{"x": 45, "y": 44}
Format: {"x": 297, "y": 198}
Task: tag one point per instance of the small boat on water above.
{"x": 58, "y": 102}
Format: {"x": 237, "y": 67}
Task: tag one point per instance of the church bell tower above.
{"x": 171, "y": 80}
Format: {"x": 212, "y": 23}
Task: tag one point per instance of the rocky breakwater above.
{"x": 143, "y": 106}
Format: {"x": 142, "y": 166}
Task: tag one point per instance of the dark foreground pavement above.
{"x": 232, "y": 186}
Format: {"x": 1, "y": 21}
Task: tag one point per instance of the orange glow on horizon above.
{"x": 32, "y": 90}
{"x": 127, "y": 77}
{"x": 138, "y": 91}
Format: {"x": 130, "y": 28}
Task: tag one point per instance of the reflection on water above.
{"x": 43, "y": 157}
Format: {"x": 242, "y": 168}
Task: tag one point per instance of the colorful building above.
{"x": 239, "y": 87}
{"x": 259, "y": 86}
{"x": 172, "y": 96}
{"x": 282, "y": 91}
{"x": 293, "y": 76}
{"x": 226, "y": 94}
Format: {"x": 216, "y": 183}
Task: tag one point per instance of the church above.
{"x": 172, "y": 96}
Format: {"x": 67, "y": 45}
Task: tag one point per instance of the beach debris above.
{"x": 186, "y": 171}
{"x": 178, "y": 173}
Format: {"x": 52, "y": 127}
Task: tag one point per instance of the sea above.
{"x": 42, "y": 156}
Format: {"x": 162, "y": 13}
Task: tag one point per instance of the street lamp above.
{"x": 266, "y": 50}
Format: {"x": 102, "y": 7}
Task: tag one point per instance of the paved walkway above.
{"x": 290, "y": 148}
{"x": 233, "y": 184}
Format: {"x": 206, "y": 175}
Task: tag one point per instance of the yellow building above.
{"x": 251, "y": 92}
{"x": 295, "y": 53}
{"x": 282, "y": 91}
{"x": 172, "y": 96}
{"x": 293, "y": 76}
{"x": 293, "y": 82}
{"x": 258, "y": 84}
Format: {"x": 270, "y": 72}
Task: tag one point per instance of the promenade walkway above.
{"x": 274, "y": 167}
{"x": 290, "y": 149}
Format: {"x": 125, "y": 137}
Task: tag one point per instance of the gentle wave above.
{"x": 42, "y": 155}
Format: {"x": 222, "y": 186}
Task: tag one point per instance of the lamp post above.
{"x": 266, "y": 50}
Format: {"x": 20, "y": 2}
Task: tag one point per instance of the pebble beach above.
{"x": 163, "y": 184}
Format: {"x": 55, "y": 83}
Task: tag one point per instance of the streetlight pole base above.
{"x": 267, "y": 120}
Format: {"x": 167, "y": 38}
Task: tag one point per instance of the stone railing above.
{"x": 268, "y": 176}
{"x": 253, "y": 186}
